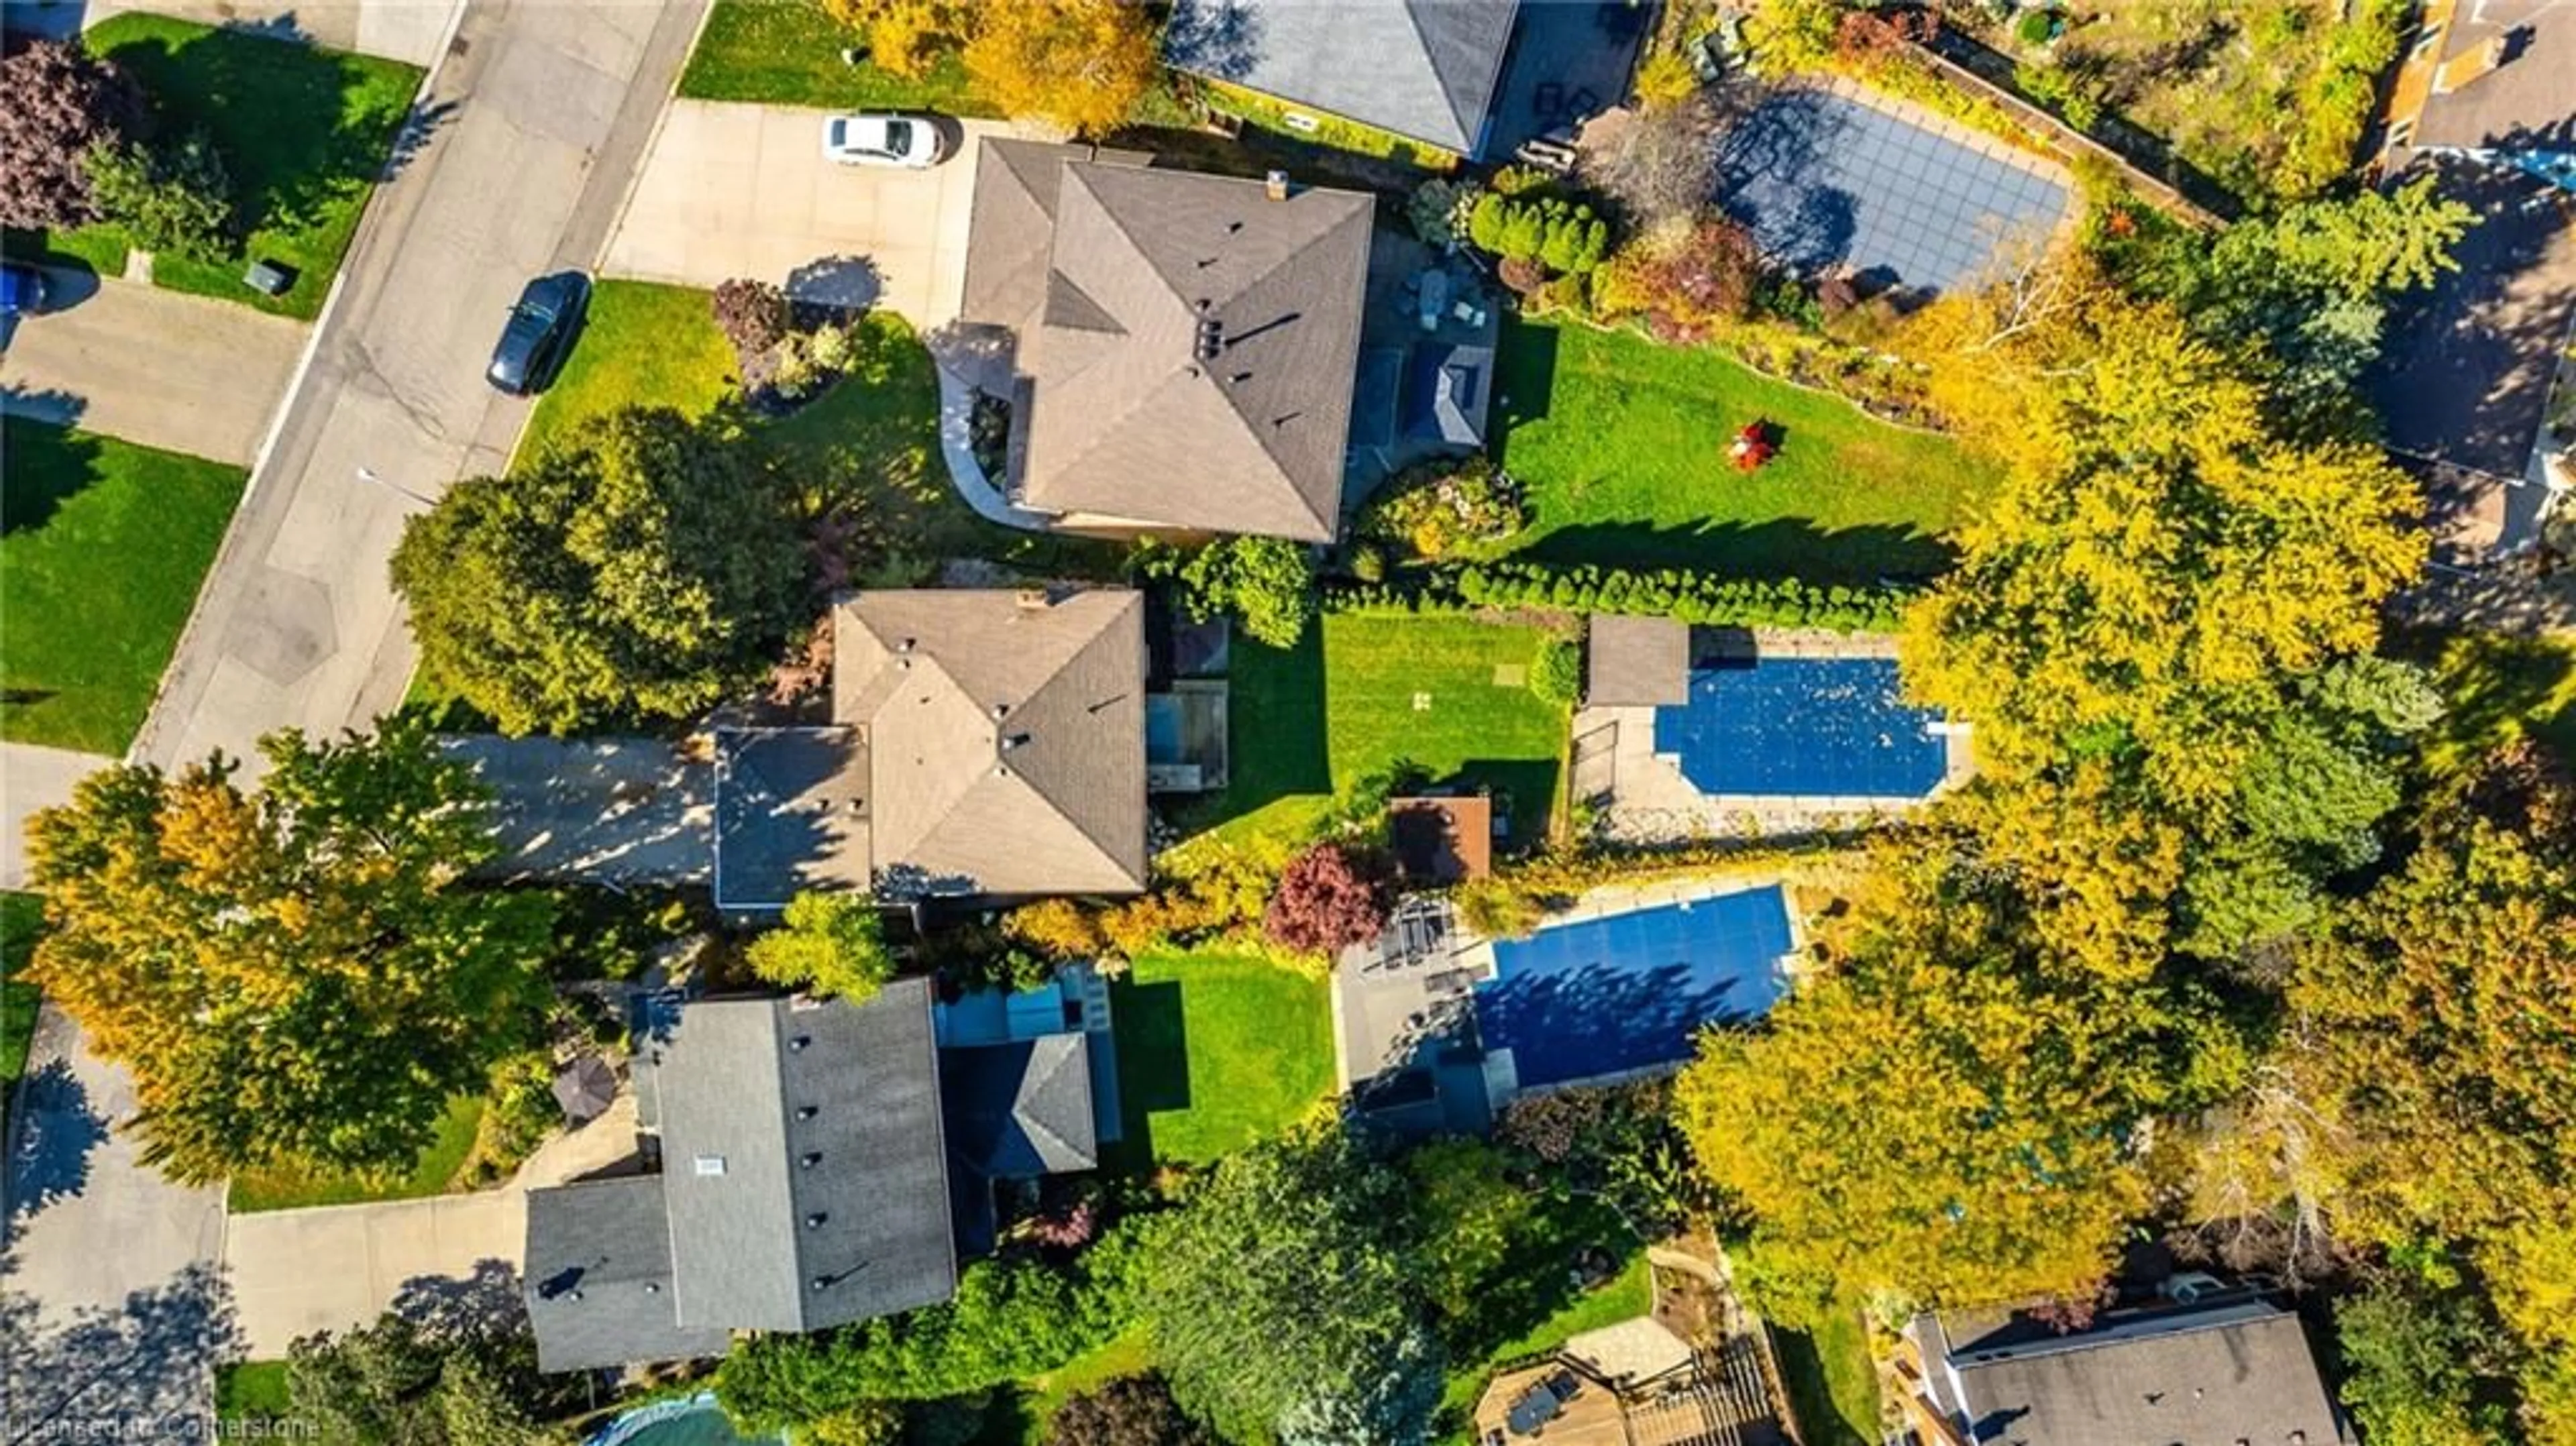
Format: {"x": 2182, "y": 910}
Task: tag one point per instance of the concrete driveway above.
{"x": 178, "y": 372}
{"x": 626, "y": 810}
{"x": 295, "y": 1272}
{"x": 743, "y": 190}
{"x": 91, "y": 1226}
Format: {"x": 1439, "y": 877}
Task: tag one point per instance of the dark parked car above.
{"x": 539, "y": 333}
{"x": 22, "y": 290}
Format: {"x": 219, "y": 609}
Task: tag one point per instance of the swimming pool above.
{"x": 1803, "y": 728}
{"x": 693, "y": 1421}
{"x": 1603, "y": 996}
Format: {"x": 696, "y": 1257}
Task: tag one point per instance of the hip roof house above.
{"x": 1426, "y": 70}
{"x": 1186, "y": 343}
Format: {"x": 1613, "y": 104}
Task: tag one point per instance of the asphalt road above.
{"x": 537, "y": 119}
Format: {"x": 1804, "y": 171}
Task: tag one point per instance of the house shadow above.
{"x": 53, "y": 1133}
{"x": 1153, "y": 1041}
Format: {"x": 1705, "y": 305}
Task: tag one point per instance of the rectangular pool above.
{"x": 1604, "y": 996}
{"x": 1803, "y": 728}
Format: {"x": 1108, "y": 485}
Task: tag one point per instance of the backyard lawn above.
{"x": 305, "y": 133}
{"x": 788, "y": 52}
{"x": 869, "y": 445}
{"x": 1363, "y": 693}
{"x": 1832, "y": 1384}
{"x": 1621, "y": 445}
{"x": 102, "y": 546}
{"x": 431, "y": 1174}
{"x": 1215, "y": 1052}
{"x": 22, "y": 919}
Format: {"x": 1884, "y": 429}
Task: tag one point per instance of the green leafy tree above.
{"x": 2412, "y": 1368}
{"x": 1241, "y": 1263}
{"x": 646, "y": 566}
{"x": 831, "y": 945}
{"x": 408, "y": 1381}
{"x": 1468, "y": 1217}
{"x": 177, "y": 199}
{"x": 295, "y": 972}
{"x": 64, "y": 106}
{"x": 1265, "y": 583}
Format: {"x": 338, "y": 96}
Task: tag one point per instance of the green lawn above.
{"x": 2498, "y": 687}
{"x": 1130, "y": 1354}
{"x": 788, "y": 52}
{"x": 304, "y": 131}
{"x": 22, "y": 920}
{"x": 1621, "y": 444}
{"x": 1832, "y": 1384}
{"x": 102, "y": 546}
{"x": 870, "y": 445}
{"x": 1625, "y": 1296}
{"x": 249, "y": 1395}
{"x": 431, "y": 1174}
{"x": 1363, "y": 693}
{"x": 1215, "y": 1052}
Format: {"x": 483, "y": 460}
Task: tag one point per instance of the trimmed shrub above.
{"x": 1688, "y": 596}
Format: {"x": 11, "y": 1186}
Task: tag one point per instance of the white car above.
{"x": 883, "y": 138}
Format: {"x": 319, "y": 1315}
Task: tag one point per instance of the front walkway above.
{"x": 34, "y": 778}
{"x": 972, "y": 360}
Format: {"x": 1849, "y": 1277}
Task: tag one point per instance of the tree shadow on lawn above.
{"x": 1779, "y": 548}
{"x": 276, "y": 109}
{"x": 1277, "y": 735}
{"x": 48, "y": 465}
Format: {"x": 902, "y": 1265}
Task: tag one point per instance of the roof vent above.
{"x": 809, "y": 1159}
{"x": 1210, "y": 340}
{"x": 1001, "y": 711}
{"x": 806, "y": 1112}
{"x": 572, "y": 1295}
{"x": 800, "y": 1041}
{"x": 822, "y": 1283}
{"x": 1032, "y": 599}
{"x": 710, "y": 1164}
{"x": 1001, "y": 770}
{"x": 652, "y": 1287}
{"x": 815, "y": 1220}
{"x": 905, "y": 646}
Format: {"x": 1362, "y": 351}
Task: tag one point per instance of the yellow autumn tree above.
{"x": 903, "y": 36}
{"x": 1082, "y": 64}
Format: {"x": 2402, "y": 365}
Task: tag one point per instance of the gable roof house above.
{"x": 2482, "y": 103}
{"x": 2231, "y": 1367}
{"x": 1185, "y": 344}
{"x": 1426, "y": 70}
{"x": 804, "y": 1186}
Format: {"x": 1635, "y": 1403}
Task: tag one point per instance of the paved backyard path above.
{"x": 546, "y": 109}
{"x": 168, "y": 370}
{"x": 743, "y": 190}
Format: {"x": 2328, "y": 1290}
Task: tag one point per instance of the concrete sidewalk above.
{"x": 743, "y": 190}
{"x": 33, "y": 778}
{"x": 182, "y": 373}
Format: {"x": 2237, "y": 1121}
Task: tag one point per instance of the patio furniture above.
{"x": 1435, "y": 297}
{"x": 1585, "y": 105}
{"x": 1548, "y": 100}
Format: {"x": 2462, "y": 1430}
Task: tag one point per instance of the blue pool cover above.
{"x": 1822, "y": 180}
{"x": 1803, "y": 728}
{"x": 1632, "y": 991}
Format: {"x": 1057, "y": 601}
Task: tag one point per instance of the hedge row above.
{"x": 1687, "y": 596}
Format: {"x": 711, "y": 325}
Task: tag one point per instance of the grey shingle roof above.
{"x": 598, "y": 1273}
{"x": 804, "y": 1168}
{"x": 1424, "y": 69}
{"x": 1638, "y": 662}
{"x": 2238, "y": 1371}
{"x": 1023, "y": 1109}
{"x": 1446, "y": 393}
{"x": 1125, "y": 418}
{"x": 1006, "y": 737}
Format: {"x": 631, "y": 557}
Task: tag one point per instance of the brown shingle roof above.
{"x": 1442, "y": 840}
{"x": 1126, "y": 419}
{"x": 1006, "y": 737}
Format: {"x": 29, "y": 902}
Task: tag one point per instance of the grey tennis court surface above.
{"x": 1824, "y": 178}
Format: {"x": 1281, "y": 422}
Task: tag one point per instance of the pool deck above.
{"x": 1643, "y": 796}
